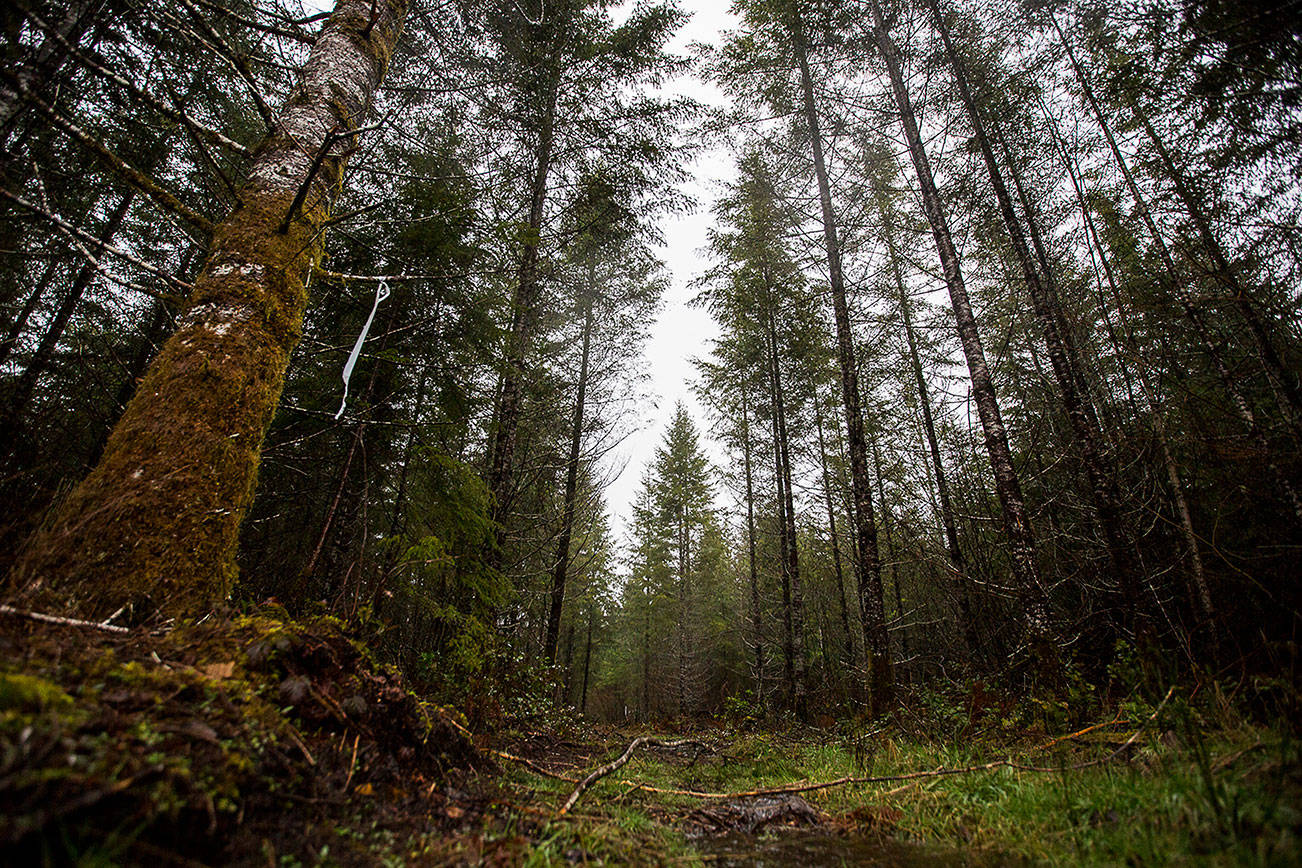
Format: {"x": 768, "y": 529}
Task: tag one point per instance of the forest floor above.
{"x": 1232, "y": 797}
{"x": 255, "y": 740}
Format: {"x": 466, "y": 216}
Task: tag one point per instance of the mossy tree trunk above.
{"x": 155, "y": 524}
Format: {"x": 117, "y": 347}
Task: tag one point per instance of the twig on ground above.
{"x": 66, "y": 622}
{"x": 881, "y": 779}
{"x": 614, "y": 765}
{"x": 1113, "y": 722}
{"x": 1226, "y": 761}
{"x": 532, "y": 766}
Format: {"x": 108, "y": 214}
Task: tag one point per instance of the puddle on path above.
{"x": 817, "y": 848}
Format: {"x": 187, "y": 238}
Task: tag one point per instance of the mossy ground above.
{"x": 247, "y": 740}
{"x": 259, "y": 740}
{"x": 1182, "y": 794}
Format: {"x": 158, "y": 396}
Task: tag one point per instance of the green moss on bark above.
{"x": 155, "y": 525}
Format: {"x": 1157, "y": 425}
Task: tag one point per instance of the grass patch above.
{"x": 1177, "y": 795}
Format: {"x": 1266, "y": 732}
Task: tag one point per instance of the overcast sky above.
{"x": 680, "y": 332}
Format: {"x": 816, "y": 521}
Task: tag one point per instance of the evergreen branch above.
{"x": 78, "y": 235}
{"x": 133, "y": 176}
{"x": 157, "y": 105}
{"x": 235, "y": 60}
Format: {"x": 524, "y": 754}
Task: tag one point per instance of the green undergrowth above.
{"x": 260, "y": 740}
{"x": 1182, "y": 793}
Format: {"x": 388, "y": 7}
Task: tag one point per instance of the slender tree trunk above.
{"x": 757, "y": 625}
{"x": 397, "y": 521}
{"x": 836, "y": 545}
{"x": 893, "y": 567}
{"x": 1193, "y": 553}
{"x": 1063, "y": 359}
{"x": 933, "y": 444}
{"x": 571, "y": 483}
{"x": 19, "y": 325}
{"x": 524, "y": 318}
{"x": 1283, "y": 381}
{"x": 868, "y": 565}
{"x": 784, "y": 563}
{"x": 1033, "y": 599}
{"x": 684, "y": 569}
{"x": 587, "y": 663}
{"x": 797, "y": 597}
{"x": 156, "y": 523}
{"x": 646, "y": 651}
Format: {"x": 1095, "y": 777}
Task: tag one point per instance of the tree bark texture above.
{"x": 1063, "y": 359}
{"x": 562, "y": 568}
{"x": 155, "y": 524}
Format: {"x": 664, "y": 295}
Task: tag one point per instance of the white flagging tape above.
{"x": 381, "y": 293}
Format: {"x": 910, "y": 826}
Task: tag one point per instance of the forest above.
{"x": 326, "y": 327}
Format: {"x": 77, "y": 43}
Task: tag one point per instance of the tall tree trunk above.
{"x": 156, "y": 523}
{"x": 780, "y": 481}
{"x": 1283, "y": 381}
{"x": 757, "y": 625}
{"x": 933, "y": 444}
{"x": 868, "y": 564}
{"x": 1032, "y": 597}
{"x": 524, "y": 320}
{"x": 890, "y": 551}
{"x": 796, "y": 601}
{"x": 571, "y": 483}
{"x": 838, "y": 572}
{"x": 1193, "y": 554}
{"x": 1174, "y": 286}
{"x": 1063, "y": 359}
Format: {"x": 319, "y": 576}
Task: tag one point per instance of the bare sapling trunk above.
{"x": 156, "y": 523}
